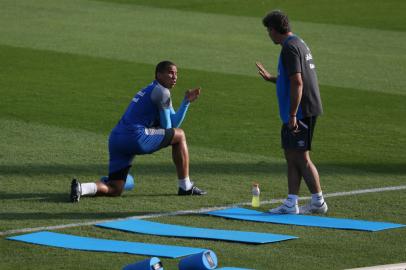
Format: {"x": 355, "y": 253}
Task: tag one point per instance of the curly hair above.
{"x": 277, "y": 20}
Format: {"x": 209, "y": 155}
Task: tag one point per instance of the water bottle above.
{"x": 255, "y": 195}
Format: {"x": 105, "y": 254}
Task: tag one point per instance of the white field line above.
{"x": 196, "y": 211}
{"x": 397, "y": 266}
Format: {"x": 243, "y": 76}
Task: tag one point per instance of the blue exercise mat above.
{"x": 95, "y": 244}
{"x": 303, "y": 220}
{"x": 155, "y": 228}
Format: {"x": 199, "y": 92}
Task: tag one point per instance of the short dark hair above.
{"x": 277, "y": 20}
{"x": 163, "y": 66}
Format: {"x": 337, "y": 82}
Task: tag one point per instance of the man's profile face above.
{"x": 271, "y": 34}
{"x": 168, "y": 77}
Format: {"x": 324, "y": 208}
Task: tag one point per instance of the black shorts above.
{"x": 120, "y": 174}
{"x": 300, "y": 139}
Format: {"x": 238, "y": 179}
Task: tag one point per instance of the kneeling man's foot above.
{"x": 193, "y": 191}
{"x": 75, "y": 191}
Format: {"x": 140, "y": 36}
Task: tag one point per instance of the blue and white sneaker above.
{"x": 312, "y": 208}
{"x": 285, "y": 209}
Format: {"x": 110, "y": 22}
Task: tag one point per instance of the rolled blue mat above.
{"x": 149, "y": 264}
{"x": 129, "y": 182}
{"x": 201, "y": 261}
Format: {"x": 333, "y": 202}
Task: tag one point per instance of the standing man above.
{"x": 299, "y": 105}
{"x": 148, "y": 125}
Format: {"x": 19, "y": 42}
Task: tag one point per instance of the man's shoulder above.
{"x": 299, "y": 43}
{"x": 159, "y": 89}
{"x": 295, "y": 47}
{"x": 294, "y": 41}
{"x": 161, "y": 95}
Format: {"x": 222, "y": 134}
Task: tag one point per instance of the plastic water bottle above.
{"x": 255, "y": 195}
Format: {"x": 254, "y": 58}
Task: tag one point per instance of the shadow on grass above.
{"x": 147, "y": 168}
{"x": 64, "y": 197}
{"x": 169, "y": 194}
{"x": 70, "y": 215}
{"x": 210, "y": 168}
{"x": 41, "y": 197}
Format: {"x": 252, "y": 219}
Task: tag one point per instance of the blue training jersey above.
{"x": 143, "y": 111}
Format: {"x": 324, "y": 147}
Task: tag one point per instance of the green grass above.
{"x": 386, "y": 15}
{"x": 202, "y": 41}
{"x": 69, "y": 69}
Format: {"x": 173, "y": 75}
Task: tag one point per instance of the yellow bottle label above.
{"x": 255, "y": 201}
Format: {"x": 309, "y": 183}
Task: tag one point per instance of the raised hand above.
{"x": 192, "y": 94}
{"x": 263, "y": 72}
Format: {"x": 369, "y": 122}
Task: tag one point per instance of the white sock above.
{"x": 317, "y": 198}
{"x": 185, "y": 184}
{"x": 88, "y": 189}
{"x": 291, "y": 200}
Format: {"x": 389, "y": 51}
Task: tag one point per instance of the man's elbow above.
{"x": 296, "y": 80}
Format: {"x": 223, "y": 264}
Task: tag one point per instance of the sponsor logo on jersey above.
{"x": 139, "y": 95}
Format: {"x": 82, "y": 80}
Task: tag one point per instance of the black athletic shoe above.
{"x": 75, "y": 191}
{"x": 193, "y": 191}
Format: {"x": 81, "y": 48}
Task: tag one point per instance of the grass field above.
{"x": 70, "y": 67}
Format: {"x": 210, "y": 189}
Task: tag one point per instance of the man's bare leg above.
{"x": 180, "y": 153}
{"x": 180, "y": 156}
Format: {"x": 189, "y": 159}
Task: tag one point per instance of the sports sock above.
{"x": 317, "y": 198}
{"x": 185, "y": 184}
{"x": 88, "y": 189}
{"x": 291, "y": 200}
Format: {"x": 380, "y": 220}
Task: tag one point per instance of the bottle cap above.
{"x": 255, "y": 189}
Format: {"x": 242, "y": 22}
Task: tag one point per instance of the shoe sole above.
{"x": 284, "y": 212}
{"x": 191, "y": 193}
{"x": 74, "y": 191}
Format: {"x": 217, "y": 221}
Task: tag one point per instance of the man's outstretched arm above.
{"x": 171, "y": 119}
{"x": 264, "y": 73}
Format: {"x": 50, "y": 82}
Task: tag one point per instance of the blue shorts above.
{"x": 123, "y": 146}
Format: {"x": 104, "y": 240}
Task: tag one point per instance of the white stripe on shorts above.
{"x": 303, "y": 124}
{"x": 154, "y": 131}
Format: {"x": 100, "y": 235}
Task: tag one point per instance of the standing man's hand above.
{"x": 192, "y": 94}
{"x": 293, "y": 123}
{"x": 264, "y": 73}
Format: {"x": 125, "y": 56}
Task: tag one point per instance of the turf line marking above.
{"x": 198, "y": 211}
{"x": 397, "y": 266}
